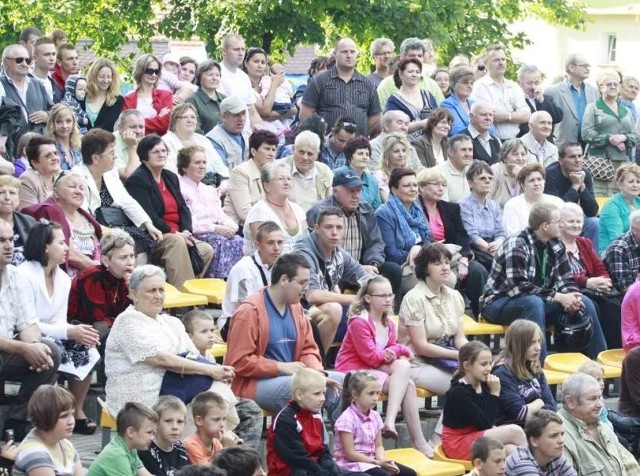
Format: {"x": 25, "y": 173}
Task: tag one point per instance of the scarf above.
{"x": 410, "y": 220}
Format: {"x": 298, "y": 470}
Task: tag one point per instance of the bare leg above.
{"x": 412, "y": 417}
{"x": 79, "y": 390}
{"x": 511, "y": 436}
{"x": 396, "y": 389}
{"x": 327, "y": 317}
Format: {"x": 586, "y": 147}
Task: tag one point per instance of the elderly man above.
{"x": 362, "y": 238}
{"x": 509, "y": 106}
{"x": 343, "y": 90}
{"x": 311, "y": 179}
{"x": 629, "y": 89}
{"x": 129, "y": 132}
{"x": 530, "y": 81}
{"x": 24, "y": 356}
{"x": 454, "y": 169}
{"x": 539, "y": 148}
{"x": 230, "y": 137}
{"x": 410, "y": 48}
{"x": 23, "y": 90}
{"x": 532, "y": 279}
{"x": 591, "y": 446}
{"x": 44, "y": 60}
{"x": 572, "y": 96}
{"x": 66, "y": 64}
{"x": 622, "y": 256}
{"x": 393, "y": 122}
{"x": 382, "y": 50}
{"x": 332, "y": 153}
{"x": 486, "y": 146}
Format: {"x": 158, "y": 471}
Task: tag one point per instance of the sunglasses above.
{"x": 152, "y": 71}
{"x": 117, "y": 243}
{"x": 21, "y": 59}
{"x": 347, "y": 126}
{"x": 481, "y": 67}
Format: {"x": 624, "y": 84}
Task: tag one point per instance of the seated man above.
{"x": 487, "y": 457}
{"x": 486, "y": 146}
{"x": 570, "y": 180}
{"x": 454, "y": 169}
{"x": 270, "y": 339}
{"x": 362, "y": 238}
{"x": 589, "y": 445}
{"x": 129, "y": 132}
{"x": 24, "y": 356}
{"x": 332, "y": 153}
{"x": 330, "y": 264}
{"x": 393, "y": 122}
{"x": 622, "y": 256}
{"x": 229, "y": 137}
{"x": 531, "y": 278}
{"x": 539, "y": 148}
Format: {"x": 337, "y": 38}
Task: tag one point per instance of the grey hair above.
{"x": 478, "y": 105}
{"x": 534, "y": 117}
{"x": 9, "y": 49}
{"x": 628, "y": 79}
{"x": 411, "y": 44}
{"x": 307, "y": 139}
{"x": 569, "y": 207}
{"x": 634, "y": 218}
{"x": 576, "y": 384}
{"x": 145, "y": 271}
{"x": 509, "y": 146}
{"x": 527, "y": 69}
{"x": 125, "y": 114}
{"x": 268, "y": 172}
{"x": 389, "y": 116}
{"x": 571, "y": 60}
{"x": 109, "y": 239}
{"x": 379, "y": 43}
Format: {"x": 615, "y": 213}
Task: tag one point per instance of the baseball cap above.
{"x": 233, "y": 105}
{"x": 347, "y": 177}
{"x": 171, "y": 58}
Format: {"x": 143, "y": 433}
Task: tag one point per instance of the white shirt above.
{"x": 16, "y": 312}
{"x": 506, "y": 96}
{"x": 236, "y": 83}
{"x": 516, "y": 212}
{"x": 457, "y": 185}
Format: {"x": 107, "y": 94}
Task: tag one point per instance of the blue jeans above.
{"x": 591, "y": 231}
{"x": 505, "y": 310}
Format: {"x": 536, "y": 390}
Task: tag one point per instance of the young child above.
{"x": 166, "y": 454}
{"x": 209, "y": 414}
{"x": 284, "y": 92}
{"x": 75, "y": 92}
{"x": 488, "y": 457}
{"x": 370, "y": 343}
{"x": 136, "y": 425}
{"x": 358, "y": 431}
{"x": 595, "y": 370}
{"x": 472, "y": 406}
{"x": 201, "y": 330}
{"x": 239, "y": 461}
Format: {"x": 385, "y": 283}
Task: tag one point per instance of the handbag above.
{"x": 197, "y": 263}
{"x": 447, "y": 365}
{"x": 112, "y": 217}
{"x": 600, "y": 168}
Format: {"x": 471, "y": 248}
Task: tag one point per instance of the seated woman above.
{"x": 481, "y": 216}
{"x": 21, "y": 223}
{"x": 82, "y": 232}
{"x": 614, "y": 215}
{"x": 395, "y": 154}
{"x": 207, "y": 98}
{"x": 445, "y": 223}
{"x": 458, "y": 103}
{"x": 158, "y": 192}
{"x": 590, "y": 274}
{"x": 516, "y": 210}
{"x": 37, "y": 182}
{"x": 370, "y": 344}
{"x": 629, "y": 388}
{"x": 357, "y": 153}
{"x": 431, "y": 145}
{"x": 276, "y": 207}
{"x": 182, "y": 133}
{"x": 48, "y": 293}
{"x": 523, "y": 385}
{"x": 513, "y": 156}
{"x": 47, "y": 450}
{"x": 63, "y": 128}
{"x": 209, "y": 222}
{"x": 103, "y": 102}
{"x": 103, "y": 188}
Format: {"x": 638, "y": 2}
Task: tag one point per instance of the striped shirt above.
{"x": 522, "y": 463}
{"x": 33, "y": 453}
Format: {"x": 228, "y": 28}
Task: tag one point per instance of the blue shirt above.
{"x": 580, "y": 101}
{"x": 282, "y": 333}
{"x": 481, "y": 221}
{"x": 330, "y": 157}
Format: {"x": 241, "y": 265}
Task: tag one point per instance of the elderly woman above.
{"x": 207, "y": 99}
{"x": 245, "y": 187}
{"x": 516, "y": 211}
{"x": 103, "y": 102}
{"x": 410, "y": 98}
{"x": 21, "y": 223}
{"x": 357, "y": 153}
{"x": 395, "y": 154}
{"x": 209, "y": 222}
{"x": 445, "y": 222}
{"x": 607, "y": 127}
{"x": 277, "y": 207}
{"x": 48, "y": 292}
{"x": 590, "y": 274}
{"x": 63, "y": 128}
{"x": 144, "y": 344}
{"x": 442, "y": 77}
{"x": 458, "y": 103}
{"x": 154, "y": 104}
{"x": 481, "y": 216}
{"x": 614, "y": 215}
{"x": 37, "y": 182}
{"x": 513, "y": 156}
{"x": 182, "y": 133}
{"x": 308, "y": 174}
{"x": 431, "y": 146}
{"x": 104, "y": 189}
{"x": 157, "y": 190}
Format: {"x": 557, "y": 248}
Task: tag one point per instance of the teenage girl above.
{"x": 472, "y": 406}
{"x": 370, "y": 344}
{"x": 523, "y": 386}
{"x": 358, "y": 431}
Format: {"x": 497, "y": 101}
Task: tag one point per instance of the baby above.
{"x": 75, "y": 92}
{"x": 284, "y": 91}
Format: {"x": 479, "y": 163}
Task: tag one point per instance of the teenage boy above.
{"x": 209, "y": 414}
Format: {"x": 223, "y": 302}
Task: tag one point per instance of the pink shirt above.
{"x": 631, "y": 317}
{"x": 365, "y": 429}
{"x": 436, "y": 225}
{"x": 205, "y": 206}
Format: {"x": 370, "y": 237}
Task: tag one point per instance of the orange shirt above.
{"x": 197, "y": 452}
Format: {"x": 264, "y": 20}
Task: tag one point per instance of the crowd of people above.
{"x": 416, "y": 191}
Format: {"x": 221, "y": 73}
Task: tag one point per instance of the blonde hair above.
{"x": 359, "y": 304}
{"x": 304, "y": 378}
{"x": 387, "y": 144}
{"x": 606, "y": 74}
{"x": 92, "y": 80}
{"x": 10, "y": 181}
{"x": 431, "y": 175}
{"x": 627, "y": 169}
{"x": 517, "y": 340}
{"x": 57, "y": 112}
{"x": 592, "y": 368}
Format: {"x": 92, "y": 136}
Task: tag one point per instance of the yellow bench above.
{"x": 569, "y": 362}
{"x": 218, "y": 350}
{"x": 611, "y": 358}
{"x": 212, "y": 288}
{"x": 481, "y": 328}
{"x": 106, "y": 422}
{"x": 174, "y": 298}
{"x": 554, "y": 377}
{"x": 422, "y": 465}
{"x": 438, "y": 455}
{"x": 601, "y": 201}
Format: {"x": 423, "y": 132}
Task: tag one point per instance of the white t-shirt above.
{"x": 236, "y": 84}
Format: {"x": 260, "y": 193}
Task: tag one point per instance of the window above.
{"x": 611, "y": 49}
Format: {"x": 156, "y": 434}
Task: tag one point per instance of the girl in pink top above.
{"x": 370, "y": 344}
{"x": 358, "y": 437}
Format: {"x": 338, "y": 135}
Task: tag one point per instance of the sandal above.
{"x": 85, "y": 426}
{"x": 389, "y": 433}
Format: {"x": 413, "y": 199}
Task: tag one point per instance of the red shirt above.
{"x": 171, "y": 211}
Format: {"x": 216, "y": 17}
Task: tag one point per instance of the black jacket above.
{"x": 107, "y": 116}
{"x": 454, "y": 231}
{"x": 479, "y": 153}
{"x": 547, "y": 105}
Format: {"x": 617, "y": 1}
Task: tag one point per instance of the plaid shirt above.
{"x": 622, "y": 260}
{"x": 515, "y": 269}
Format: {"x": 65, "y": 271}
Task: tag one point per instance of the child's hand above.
{"x": 493, "y": 383}
{"x": 389, "y": 466}
{"x": 389, "y": 356}
{"x": 9, "y": 451}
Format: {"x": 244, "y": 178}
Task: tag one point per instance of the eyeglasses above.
{"x": 347, "y": 126}
{"x": 584, "y": 65}
{"x": 435, "y": 184}
{"x": 20, "y": 59}
{"x": 383, "y": 296}
{"x": 152, "y": 71}
{"x": 611, "y": 85}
